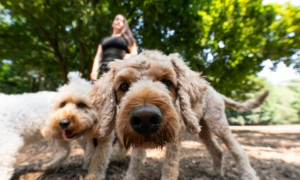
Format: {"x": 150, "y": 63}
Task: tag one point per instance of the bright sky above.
{"x": 293, "y": 2}
{"x": 282, "y": 73}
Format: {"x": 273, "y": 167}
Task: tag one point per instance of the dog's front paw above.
{"x": 90, "y": 177}
{"x": 249, "y": 176}
{"x": 127, "y": 178}
{"x": 119, "y": 156}
{"x": 47, "y": 167}
{"x": 214, "y": 172}
{"x": 130, "y": 177}
{"x": 95, "y": 177}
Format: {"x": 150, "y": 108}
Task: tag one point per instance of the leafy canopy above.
{"x": 225, "y": 39}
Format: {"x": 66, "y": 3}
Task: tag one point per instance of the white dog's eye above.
{"x": 62, "y": 104}
{"x": 81, "y": 105}
{"x": 167, "y": 82}
{"x": 124, "y": 87}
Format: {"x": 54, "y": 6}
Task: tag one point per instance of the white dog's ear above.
{"x": 191, "y": 89}
{"x": 103, "y": 99}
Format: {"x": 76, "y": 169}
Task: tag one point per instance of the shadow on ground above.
{"x": 273, "y": 156}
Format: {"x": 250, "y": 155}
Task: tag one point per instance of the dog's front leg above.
{"x": 88, "y": 153}
{"x": 171, "y": 163}
{"x": 138, "y": 157}
{"x": 61, "y": 156}
{"x": 9, "y": 149}
{"x": 120, "y": 154}
{"x": 100, "y": 159}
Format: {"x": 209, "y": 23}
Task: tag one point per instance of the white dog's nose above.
{"x": 64, "y": 123}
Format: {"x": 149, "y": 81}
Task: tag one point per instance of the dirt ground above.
{"x": 274, "y": 152}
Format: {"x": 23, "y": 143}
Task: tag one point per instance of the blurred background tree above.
{"x": 42, "y": 40}
{"x": 281, "y": 107}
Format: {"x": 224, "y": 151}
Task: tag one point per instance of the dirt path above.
{"x": 274, "y": 152}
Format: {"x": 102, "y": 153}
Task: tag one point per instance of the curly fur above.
{"x": 82, "y": 119}
{"x": 71, "y": 103}
{"x": 188, "y": 103}
{"x": 21, "y": 119}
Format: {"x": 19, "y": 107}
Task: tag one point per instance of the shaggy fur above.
{"x": 185, "y": 100}
{"x": 71, "y": 103}
{"x": 21, "y": 117}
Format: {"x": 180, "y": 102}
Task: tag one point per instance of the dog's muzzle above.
{"x": 145, "y": 119}
{"x": 64, "y": 123}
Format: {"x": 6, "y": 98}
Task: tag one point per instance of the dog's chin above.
{"x": 150, "y": 145}
{"x": 145, "y": 142}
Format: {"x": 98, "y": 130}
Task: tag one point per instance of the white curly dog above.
{"x": 21, "y": 118}
{"x": 72, "y": 116}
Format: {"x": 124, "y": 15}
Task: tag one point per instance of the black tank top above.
{"x": 113, "y": 48}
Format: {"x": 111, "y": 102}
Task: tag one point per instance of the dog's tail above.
{"x": 246, "y": 106}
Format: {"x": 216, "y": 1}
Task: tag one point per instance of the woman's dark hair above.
{"x": 126, "y": 32}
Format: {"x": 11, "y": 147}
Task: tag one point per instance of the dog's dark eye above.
{"x": 62, "y": 104}
{"x": 81, "y": 105}
{"x": 124, "y": 87}
{"x": 167, "y": 82}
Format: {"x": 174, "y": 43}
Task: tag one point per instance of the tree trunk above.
{"x": 41, "y": 83}
{"x": 82, "y": 55}
{"x": 33, "y": 84}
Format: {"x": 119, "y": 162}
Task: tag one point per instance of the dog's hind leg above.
{"x": 61, "y": 156}
{"x": 137, "y": 160}
{"x": 213, "y": 147}
{"x": 221, "y": 128}
{"x": 9, "y": 149}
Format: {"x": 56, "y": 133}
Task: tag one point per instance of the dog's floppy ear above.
{"x": 103, "y": 99}
{"x": 191, "y": 90}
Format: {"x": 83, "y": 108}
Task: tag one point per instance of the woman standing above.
{"x": 120, "y": 45}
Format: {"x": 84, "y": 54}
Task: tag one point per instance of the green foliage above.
{"x": 47, "y": 39}
{"x": 10, "y": 81}
{"x": 282, "y": 106}
{"x": 15, "y": 81}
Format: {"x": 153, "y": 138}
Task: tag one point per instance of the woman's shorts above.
{"x": 103, "y": 69}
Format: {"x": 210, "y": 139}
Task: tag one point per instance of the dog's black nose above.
{"x": 64, "y": 123}
{"x": 145, "y": 119}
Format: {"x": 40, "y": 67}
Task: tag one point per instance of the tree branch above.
{"x": 95, "y": 2}
{"x": 132, "y": 11}
{"x": 201, "y": 69}
{"x": 53, "y": 44}
{"x": 82, "y": 55}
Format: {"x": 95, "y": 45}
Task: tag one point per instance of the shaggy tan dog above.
{"x": 152, "y": 98}
{"x": 72, "y": 116}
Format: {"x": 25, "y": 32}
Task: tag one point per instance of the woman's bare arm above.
{"x": 96, "y": 63}
{"x": 132, "y": 51}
